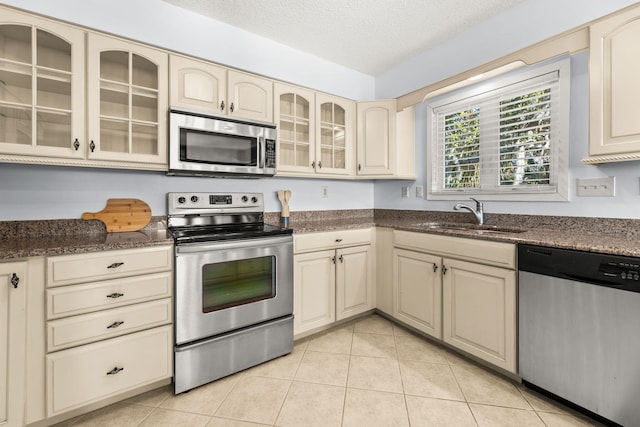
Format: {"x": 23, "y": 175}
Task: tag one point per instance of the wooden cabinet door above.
{"x": 41, "y": 88}
{"x": 197, "y": 85}
{"x": 12, "y": 342}
{"x": 334, "y": 135}
{"x": 614, "y": 66}
{"x": 417, "y": 290}
{"x": 127, "y": 101}
{"x": 314, "y": 290}
{"x": 294, "y": 112}
{"x": 354, "y": 281}
{"x": 479, "y": 311}
{"x": 376, "y": 137}
{"x": 250, "y": 97}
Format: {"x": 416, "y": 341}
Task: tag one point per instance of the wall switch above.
{"x": 419, "y": 191}
{"x": 325, "y": 191}
{"x": 405, "y": 192}
{"x": 596, "y": 187}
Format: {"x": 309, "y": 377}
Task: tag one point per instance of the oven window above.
{"x": 218, "y": 148}
{"x": 232, "y": 283}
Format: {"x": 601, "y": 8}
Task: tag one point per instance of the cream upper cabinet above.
{"x": 386, "y": 140}
{"x": 334, "y": 135}
{"x": 127, "y": 101}
{"x": 294, "y": 113}
{"x": 210, "y": 88}
{"x": 376, "y": 137}
{"x": 479, "y": 311}
{"x": 417, "y": 289}
{"x": 197, "y": 85}
{"x": 41, "y": 88}
{"x": 614, "y": 88}
{"x": 250, "y": 96}
{"x": 12, "y": 342}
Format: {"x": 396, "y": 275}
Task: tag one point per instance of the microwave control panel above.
{"x": 270, "y": 153}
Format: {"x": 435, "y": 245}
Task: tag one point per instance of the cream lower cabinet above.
{"x": 108, "y": 325}
{"x": 12, "y": 342}
{"x": 333, "y": 277}
{"x": 479, "y": 311}
{"x": 417, "y": 286}
{"x": 614, "y": 88}
{"x": 460, "y": 290}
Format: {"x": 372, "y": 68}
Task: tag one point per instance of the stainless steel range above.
{"x": 234, "y": 286}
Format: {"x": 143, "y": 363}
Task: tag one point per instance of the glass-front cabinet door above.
{"x": 127, "y": 98}
{"x": 296, "y": 123}
{"x": 334, "y": 135}
{"x": 41, "y": 87}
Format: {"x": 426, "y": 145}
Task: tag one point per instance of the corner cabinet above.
{"x": 214, "y": 89}
{"x": 614, "y": 88}
{"x": 41, "y": 89}
{"x": 127, "y": 101}
{"x": 333, "y": 277}
{"x": 12, "y": 342}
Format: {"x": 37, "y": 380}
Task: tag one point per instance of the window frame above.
{"x": 504, "y": 84}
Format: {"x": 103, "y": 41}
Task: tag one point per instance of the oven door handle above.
{"x": 235, "y": 244}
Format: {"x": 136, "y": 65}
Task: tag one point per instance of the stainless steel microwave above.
{"x": 206, "y": 145}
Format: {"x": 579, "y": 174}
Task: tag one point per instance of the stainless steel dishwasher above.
{"x": 579, "y": 329}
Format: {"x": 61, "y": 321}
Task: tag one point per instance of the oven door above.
{"x": 223, "y": 286}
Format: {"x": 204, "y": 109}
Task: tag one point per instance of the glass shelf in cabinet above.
{"x": 144, "y": 108}
{"x": 53, "y": 129}
{"x": 114, "y": 135}
{"x": 16, "y": 43}
{"x": 114, "y": 66}
{"x": 52, "y": 51}
{"x": 114, "y": 103}
{"x": 144, "y": 139}
{"x": 15, "y": 125}
{"x": 54, "y": 93}
{"x": 15, "y": 87}
{"x": 144, "y": 72}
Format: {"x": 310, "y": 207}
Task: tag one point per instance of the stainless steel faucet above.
{"x": 478, "y": 211}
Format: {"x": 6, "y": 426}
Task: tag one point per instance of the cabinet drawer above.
{"x": 86, "y": 374}
{"x": 79, "y": 299}
{"x": 331, "y": 239}
{"x": 77, "y": 330}
{"x": 70, "y": 269}
{"x": 473, "y": 250}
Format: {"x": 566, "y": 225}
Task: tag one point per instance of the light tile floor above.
{"x": 370, "y": 372}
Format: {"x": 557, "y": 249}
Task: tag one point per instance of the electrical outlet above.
{"x": 596, "y": 187}
{"x": 325, "y": 191}
{"x": 419, "y": 191}
{"x": 405, "y": 192}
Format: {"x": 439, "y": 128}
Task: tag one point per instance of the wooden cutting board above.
{"x": 122, "y": 215}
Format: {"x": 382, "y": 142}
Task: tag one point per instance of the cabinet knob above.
{"x": 333, "y": 259}
{"x": 115, "y": 295}
{"x": 231, "y": 108}
{"x": 222, "y": 106}
{"x": 76, "y": 144}
{"x": 435, "y": 267}
{"x": 92, "y": 146}
{"x": 338, "y": 240}
{"x": 15, "y": 280}
{"x": 444, "y": 270}
{"x": 359, "y": 166}
{"x": 115, "y": 370}
{"x": 320, "y": 164}
{"x": 341, "y": 259}
{"x": 313, "y": 164}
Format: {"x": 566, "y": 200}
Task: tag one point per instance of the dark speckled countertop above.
{"x": 21, "y": 239}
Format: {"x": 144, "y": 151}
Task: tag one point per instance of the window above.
{"x": 506, "y": 139}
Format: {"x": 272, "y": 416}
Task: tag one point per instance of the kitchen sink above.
{"x": 473, "y": 228}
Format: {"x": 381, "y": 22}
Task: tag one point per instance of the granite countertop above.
{"x": 22, "y": 239}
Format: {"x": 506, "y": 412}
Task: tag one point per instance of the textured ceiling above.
{"x": 365, "y": 35}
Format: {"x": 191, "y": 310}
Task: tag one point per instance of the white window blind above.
{"x": 504, "y": 139}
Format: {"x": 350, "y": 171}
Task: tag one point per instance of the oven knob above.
{"x": 181, "y": 200}
{"x": 194, "y": 199}
{"x": 245, "y": 199}
{"x": 254, "y": 199}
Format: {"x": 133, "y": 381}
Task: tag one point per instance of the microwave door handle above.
{"x": 261, "y": 152}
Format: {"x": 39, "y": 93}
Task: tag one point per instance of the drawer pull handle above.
{"x": 116, "y": 265}
{"x": 115, "y": 371}
{"x": 338, "y": 240}
{"x": 115, "y": 295}
{"x": 114, "y": 325}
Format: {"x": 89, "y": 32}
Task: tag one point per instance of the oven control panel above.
{"x": 178, "y": 202}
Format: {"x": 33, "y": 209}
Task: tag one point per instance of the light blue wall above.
{"x": 523, "y": 25}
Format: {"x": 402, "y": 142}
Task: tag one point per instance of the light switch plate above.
{"x": 596, "y": 187}
{"x": 405, "y": 191}
{"x": 419, "y": 191}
